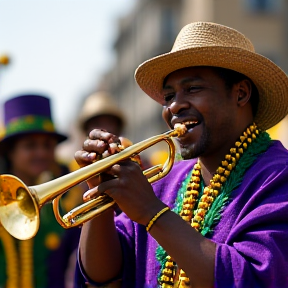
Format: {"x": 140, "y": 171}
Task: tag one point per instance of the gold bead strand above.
{"x": 218, "y": 179}
{"x": 186, "y": 213}
{"x": 209, "y": 194}
{"x": 26, "y": 263}
{"x": 168, "y": 273}
{"x": 12, "y": 268}
{"x": 191, "y": 195}
{"x": 184, "y": 281}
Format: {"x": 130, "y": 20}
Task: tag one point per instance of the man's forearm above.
{"x": 100, "y": 248}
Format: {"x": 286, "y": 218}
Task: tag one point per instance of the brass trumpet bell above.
{"x": 20, "y": 205}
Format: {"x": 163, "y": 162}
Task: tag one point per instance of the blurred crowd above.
{"x": 28, "y": 144}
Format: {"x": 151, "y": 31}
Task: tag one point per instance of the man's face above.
{"x": 198, "y": 97}
{"x": 33, "y": 154}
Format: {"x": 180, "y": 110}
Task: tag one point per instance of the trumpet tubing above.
{"x": 20, "y": 205}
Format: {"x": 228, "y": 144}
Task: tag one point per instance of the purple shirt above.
{"x": 251, "y": 236}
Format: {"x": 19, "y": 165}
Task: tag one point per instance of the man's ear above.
{"x": 244, "y": 90}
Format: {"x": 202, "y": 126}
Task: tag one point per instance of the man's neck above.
{"x": 207, "y": 173}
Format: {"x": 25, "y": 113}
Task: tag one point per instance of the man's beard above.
{"x": 195, "y": 150}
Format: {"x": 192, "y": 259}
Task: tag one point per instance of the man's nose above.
{"x": 178, "y": 104}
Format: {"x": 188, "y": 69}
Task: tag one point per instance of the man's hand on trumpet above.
{"x": 127, "y": 186}
{"x": 98, "y": 145}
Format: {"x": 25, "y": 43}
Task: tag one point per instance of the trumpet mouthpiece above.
{"x": 180, "y": 129}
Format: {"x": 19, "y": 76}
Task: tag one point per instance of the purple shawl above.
{"x": 251, "y": 236}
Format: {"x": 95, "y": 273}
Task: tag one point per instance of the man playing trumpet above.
{"x": 220, "y": 217}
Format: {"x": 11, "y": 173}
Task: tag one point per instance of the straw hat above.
{"x": 210, "y": 44}
{"x": 97, "y": 104}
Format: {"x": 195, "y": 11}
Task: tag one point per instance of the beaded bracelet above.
{"x": 152, "y": 221}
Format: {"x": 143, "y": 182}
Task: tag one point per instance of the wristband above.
{"x": 152, "y": 221}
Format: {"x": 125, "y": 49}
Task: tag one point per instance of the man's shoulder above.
{"x": 276, "y": 154}
{"x": 278, "y": 147}
{"x": 270, "y": 168}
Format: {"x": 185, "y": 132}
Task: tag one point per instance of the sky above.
{"x": 59, "y": 48}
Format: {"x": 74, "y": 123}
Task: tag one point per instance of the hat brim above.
{"x": 270, "y": 80}
{"x": 118, "y": 116}
{"x": 5, "y": 142}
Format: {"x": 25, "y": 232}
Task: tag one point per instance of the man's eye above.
{"x": 194, "y": 88}
{"x": 168, "y": 97}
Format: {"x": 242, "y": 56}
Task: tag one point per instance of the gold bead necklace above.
{"x": 168, "y": 273}
{"x": 19, "y": 270}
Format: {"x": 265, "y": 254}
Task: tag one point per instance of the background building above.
{"x": 151, "y": 29}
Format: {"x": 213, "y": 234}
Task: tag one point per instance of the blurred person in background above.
{"x": 28, "y": 148}
{"x": 99, "y": 110}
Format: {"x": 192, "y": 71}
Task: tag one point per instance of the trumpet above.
{"x": 20, "y": 205}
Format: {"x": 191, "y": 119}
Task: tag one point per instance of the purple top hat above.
{"x": 27, "y": 114}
